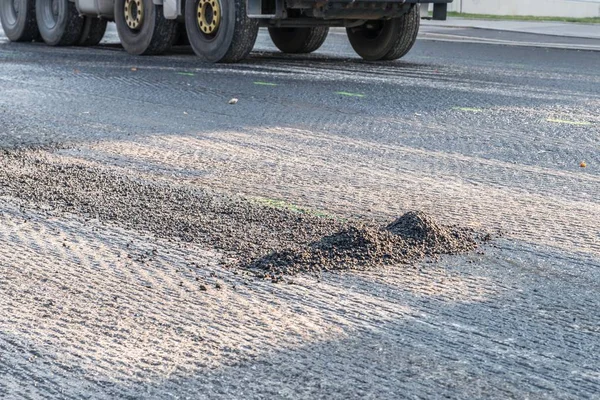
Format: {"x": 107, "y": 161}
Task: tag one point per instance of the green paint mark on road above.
{"x": 467, "y": 109}
{"x": 564, "y": 121}
{"x": 186, "y": 73}
{"x": 265, "y": 83}
{"x": 350, "y": 94}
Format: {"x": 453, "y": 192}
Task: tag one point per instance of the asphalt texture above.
{"x": 113, "y": 167}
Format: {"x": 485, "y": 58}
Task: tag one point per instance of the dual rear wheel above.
{"x": 18, "y": 20}
{"x": 383, "y": 40}
{"x": 377, "y": 40}
{"x": 57, "y": 22}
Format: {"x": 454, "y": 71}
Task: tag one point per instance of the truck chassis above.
{"x": 220, "y": 30}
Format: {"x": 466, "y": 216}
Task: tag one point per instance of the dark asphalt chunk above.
{"x": 280, "y": 241}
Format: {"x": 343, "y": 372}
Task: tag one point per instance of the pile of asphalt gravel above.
{"x": 410, "y": 238}
{"x": 423, "y": 231}
{"x": 271, "y": 242}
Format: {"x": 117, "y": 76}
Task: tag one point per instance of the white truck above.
{"x": 220, "y": 30}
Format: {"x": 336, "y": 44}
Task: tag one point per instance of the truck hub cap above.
{"x": 209, "y": 16}
{"x": 134, "y": 13}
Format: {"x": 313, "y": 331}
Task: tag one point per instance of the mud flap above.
{"x": 440, "y": 11}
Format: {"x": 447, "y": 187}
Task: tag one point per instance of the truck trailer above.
{"x": 221, "y": 30}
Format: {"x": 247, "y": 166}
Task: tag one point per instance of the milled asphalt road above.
{"x": 488, "y": 136}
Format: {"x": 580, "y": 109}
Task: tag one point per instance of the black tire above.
{"x": 18, "y": 20}
{"x": 58, "y": 21}
{"x": 386, "y": 39}
{"x": 299, "y": 40}
{"x": 155, "y": 34}
{"x": 93, "y": 31}
{"x": 234, "y": 38}
{"x": 182, "y": 39}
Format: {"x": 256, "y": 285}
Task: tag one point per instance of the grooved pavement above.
{"x": 486, "y": 136}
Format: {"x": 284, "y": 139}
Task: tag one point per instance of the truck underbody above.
{"x": 221, "y": 30}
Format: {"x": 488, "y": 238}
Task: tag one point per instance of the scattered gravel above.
{"x": 271, "y": 242}
{"x": 242, "y": 229}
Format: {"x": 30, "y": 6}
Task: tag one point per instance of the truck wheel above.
{"x": 93, "y": 31}
{"x": 143, "y": 28}
{"x": 220, "y": 30}
{"x": 385, "y": 39}
{"x": 18, "y": 20}
{"x": 58, "y": 21}
{"x": 298, "y": 40}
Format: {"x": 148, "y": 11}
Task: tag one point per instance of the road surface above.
{"x": 491, "y": 135}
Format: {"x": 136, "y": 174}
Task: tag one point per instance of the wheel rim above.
{"x": 50, "y": 12}
{"x": 208, "y": 17}
{"x": 133, "y": 11}
{"x": 10, "y": 10}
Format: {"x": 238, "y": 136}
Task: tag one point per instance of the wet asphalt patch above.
{"x": 271, "y": 242}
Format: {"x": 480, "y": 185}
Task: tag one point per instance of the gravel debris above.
{"x": 423, "y": 231}
{"x": 271, "y": 242}
{"x": 408, "y": 239}
{"x": 240, "y": 228}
